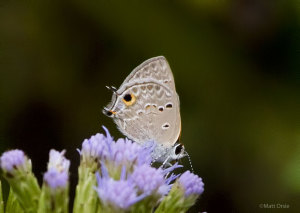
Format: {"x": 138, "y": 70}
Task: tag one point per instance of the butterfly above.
{"x": 146, "y": 108}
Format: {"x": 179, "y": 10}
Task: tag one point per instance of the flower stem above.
{"x": 1, "y": 199}
{"x": 54, "y": 200}
{"x": 26, "y": 190}
{"x": 173, "y": 202}
{"x": 86, "y": 199}
{"x": 12, "y": 204}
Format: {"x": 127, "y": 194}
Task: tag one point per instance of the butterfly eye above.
{"x": 129, "y": 99}
{"x": 178, "y": 149}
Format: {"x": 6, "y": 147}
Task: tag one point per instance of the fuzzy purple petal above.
{"x": 55, "y": 179}
{"x": 191, "y": 183}
{"x": 148, "y": 179}
{"x": 13, "y": 159}
{"x": 120, "y": 194}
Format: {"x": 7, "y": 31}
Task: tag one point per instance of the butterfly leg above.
{"x": 166, "y": 163}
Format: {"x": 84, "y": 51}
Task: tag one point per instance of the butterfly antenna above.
{"x": 190, "y": 161}
{"x": 112, "y": 88}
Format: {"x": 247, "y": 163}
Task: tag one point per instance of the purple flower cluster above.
{"x": 191, "y": 183}
{"x": 95, "y": 147}
{"x": 131, "y": 185}
{"x": 126, "y": 175}
{"x": 104, "y": 149}
{"x": 11, "y": 160}
{"x": 57, "y": 175}
{"x": 124, "y": 151}
{"x": 144, "y": 181}
{"x": 56, "y": 179}
{"x": 149, "y": 180}
{"x": 117, "y": 194}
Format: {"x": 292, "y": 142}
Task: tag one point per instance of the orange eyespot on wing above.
{"x": 129, "y": 99}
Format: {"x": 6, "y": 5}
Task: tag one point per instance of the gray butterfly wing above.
{"x": 156, "y": 68}
{"x": 153, "y": 113}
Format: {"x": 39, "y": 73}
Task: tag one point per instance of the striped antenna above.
{"x": 190, "y": 161}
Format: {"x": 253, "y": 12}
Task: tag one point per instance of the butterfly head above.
{"x": 177, "y": 152}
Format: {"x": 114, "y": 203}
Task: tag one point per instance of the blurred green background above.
{"x": 236, "y": 66}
